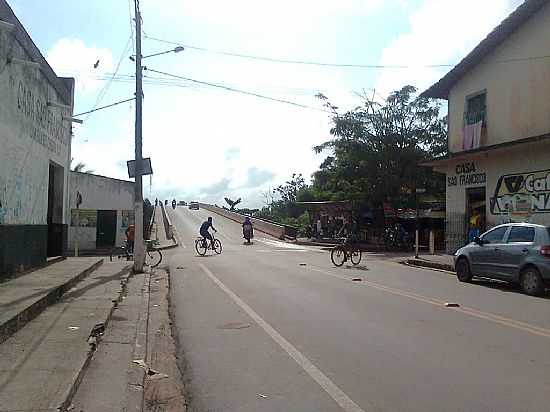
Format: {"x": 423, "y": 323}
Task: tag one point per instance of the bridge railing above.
{"x": 271, "y": 228}
{"x": 167, "y": 222}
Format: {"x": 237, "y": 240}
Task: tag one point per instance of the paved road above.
{"x": 275, "y": 327}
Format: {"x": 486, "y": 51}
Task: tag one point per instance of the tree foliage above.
{"x": 376, "y": 148}
{"x": 232, "y": 203}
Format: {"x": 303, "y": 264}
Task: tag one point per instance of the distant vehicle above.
{"x": 518, "y": 253}
{"x": 182, "y": 203}
{"x": 194, "y": 205}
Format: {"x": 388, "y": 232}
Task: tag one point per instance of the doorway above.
{"x": 54, "y": 217}
{"x": 106, "y": 228}
{"x": 476, "y": 210}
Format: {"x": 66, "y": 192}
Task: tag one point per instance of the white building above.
{"x": 106, "y": 210}
{"x": 499, "y": 126}
{"x": 36, "y": 108}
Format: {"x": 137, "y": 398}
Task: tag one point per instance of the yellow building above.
{"x": 499, "y": 126}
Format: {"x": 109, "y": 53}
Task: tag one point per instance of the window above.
{"x": 495, "y": 235}
{"x": 521, "y": 234}
{"x": 475, "y": 109}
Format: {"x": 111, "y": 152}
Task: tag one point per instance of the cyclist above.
{"x": 351, "y": 229}
{"x": 204, "y": 230}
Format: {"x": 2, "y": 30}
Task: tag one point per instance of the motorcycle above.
{"x": 173, "y": 204}
{"x": 394, "y": 238}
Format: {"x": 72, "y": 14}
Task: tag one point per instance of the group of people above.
{"x": 333, "y": 227}
{"x": 204, "y": 230}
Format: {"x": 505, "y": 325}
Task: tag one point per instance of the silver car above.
{"x": 518, "y": 253}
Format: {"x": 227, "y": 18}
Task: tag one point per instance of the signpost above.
{"x": 76, "y": 230}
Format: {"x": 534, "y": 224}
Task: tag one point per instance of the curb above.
{"x": 136, "y": 375}
{"x": 79, "y": 374}
{"x": 30, "y": 312}
{"x": 429, "y": 265}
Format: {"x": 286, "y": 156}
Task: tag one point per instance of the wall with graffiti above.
{"x": 33, "y": 134}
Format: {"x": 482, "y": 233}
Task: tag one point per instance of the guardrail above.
{"x": 273, "y": 229}
{"x": 168, "y": 228}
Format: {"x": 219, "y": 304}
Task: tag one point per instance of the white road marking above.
{"x": 315, "y": 373}
{"x": 279, "y": 244}
{"x": 280, "y": 250}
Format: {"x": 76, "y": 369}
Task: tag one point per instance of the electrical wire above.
{"x": 132, "y": 33}
{"x": 287, "y": 61}
{"x": 322, "y": 64}
{"x": 105, "y": 88}
{"x": 231, "y": 89}
{"x": 104, "y": 107}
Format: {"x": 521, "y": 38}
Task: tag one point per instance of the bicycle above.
{"x": 153, "y": 256}
{"x": 339, "y": 254}
{"x": 202, "y": 245}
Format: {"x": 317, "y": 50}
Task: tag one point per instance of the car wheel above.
{"x": 463, "y": 272}
{"x": 531, "y": 282}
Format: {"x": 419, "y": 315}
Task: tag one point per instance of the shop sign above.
{"x": 466, "y": 175}
{"x": 522, "y": 191}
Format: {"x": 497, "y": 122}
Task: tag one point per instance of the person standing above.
{"x": 475, "y": 225}
{"x": 130, "y": 236}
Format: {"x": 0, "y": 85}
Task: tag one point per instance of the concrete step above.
{"x": 25, "y": 297}
{"x": 42, "y": 364}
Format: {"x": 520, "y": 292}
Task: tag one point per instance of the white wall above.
{"x": 31, "y": 136}
{"x": 515, "y": 160}
{"x": 99, "y": 193}
{"x": 518, "y": 92}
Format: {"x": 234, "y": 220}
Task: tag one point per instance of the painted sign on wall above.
{"x": 466, "y": 174}
{"x": 522, "y": 191}
{"x": 84, "y": 217}
{"x": 127, "y": 218}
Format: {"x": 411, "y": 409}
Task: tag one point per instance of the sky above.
{"x": 207, "y": 143}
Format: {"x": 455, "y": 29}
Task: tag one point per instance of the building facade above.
{"x": 105, "y": 209}
{"x": 36, "y": 108}
{"x": 498, "y": 162}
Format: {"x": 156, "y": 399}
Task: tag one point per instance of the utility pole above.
{"x": 139, "y": 244}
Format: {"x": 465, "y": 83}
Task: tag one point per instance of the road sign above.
{"x": 145, "y": 166}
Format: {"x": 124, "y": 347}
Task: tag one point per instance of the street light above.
{"x": 139, "y": 244}
{"x": 175, "y": 50}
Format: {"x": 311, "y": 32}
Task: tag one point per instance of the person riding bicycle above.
{"x": 351, "y": 230}
{"x": 204, "y": 230}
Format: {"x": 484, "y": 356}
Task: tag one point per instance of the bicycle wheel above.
{"x": 201, "y": 246}
{"x": 153, "y": 258}
{"x": 217, "y": 246}
{"x": 338, "y": 255}
{"x": 356, "y": 256}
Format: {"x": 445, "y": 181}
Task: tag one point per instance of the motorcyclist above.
{"x": 204, "y": 229}
{"x": 248, "y": 227}
{"x": 174, "y": 204}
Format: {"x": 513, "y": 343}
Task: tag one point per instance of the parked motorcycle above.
{"x": 396, "y": 238}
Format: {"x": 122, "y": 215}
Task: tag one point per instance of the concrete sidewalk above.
{"x": 43, "y": 363}
{"x": 441, "y": 262}
{"x": 25, "y": 297}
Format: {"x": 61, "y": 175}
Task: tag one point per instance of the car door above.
{"x": 519, "y": 244}
{"x": 485, "y": 255}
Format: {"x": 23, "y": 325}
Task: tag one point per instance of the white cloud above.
{"x": 441, "y": 32}
{"x": 72, "y": 57}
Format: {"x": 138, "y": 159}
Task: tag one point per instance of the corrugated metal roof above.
{"x": 493, "y": 40}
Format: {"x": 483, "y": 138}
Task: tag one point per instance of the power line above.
{"x": 105, "y": 88}
{"x": 131, "y": 26}
{"x": 323, "y": 64}
{"x": 231, "y": 89}
{"x": 104, "y": 107}
{"x": 302, "y": 62}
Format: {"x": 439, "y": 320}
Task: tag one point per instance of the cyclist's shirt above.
{"x": 204, "y": 227}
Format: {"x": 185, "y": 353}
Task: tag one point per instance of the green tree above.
{"x": 80, "y": 167}
{"x": 376, "y": 148}
{"x": 232, "y": 203}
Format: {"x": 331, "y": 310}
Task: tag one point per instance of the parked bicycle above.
{"x": 202, "y": 245}
{"x": 347, "y": 250}
{"x": 153, "y": 255}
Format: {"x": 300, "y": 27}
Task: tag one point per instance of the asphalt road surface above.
{"x": 276, "y": 327}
